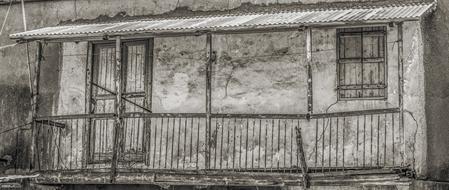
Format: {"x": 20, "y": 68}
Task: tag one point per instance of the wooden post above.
{"x": 309, "y": 72}
{"x": 35, "y": 107}
{"x": 211, "y": 59}
{"x": 88, "y": 106}
{"x": 302, "y": 159}
{"x": 148, "y": 80}
{"x": 401, "y": 89}
{"x": 118, "y": 108}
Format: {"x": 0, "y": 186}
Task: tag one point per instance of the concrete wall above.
{"x": 179, "y": 75}
{"x": 260, "y": 73}
{"x": 436, "y": 67}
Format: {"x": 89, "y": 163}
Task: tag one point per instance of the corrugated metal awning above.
{"x": 238, "y": 22}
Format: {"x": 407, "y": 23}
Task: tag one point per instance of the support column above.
{"x": 118, "y": 108}
{"x": 309, "y": 72}
{"x": 211, "y": 59}
{"x": 401, "y": 89}
{"x": 35, "y": 160}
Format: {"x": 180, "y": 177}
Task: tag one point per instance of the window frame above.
{"x": 382, "y": 32}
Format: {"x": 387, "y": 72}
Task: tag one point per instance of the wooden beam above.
{"x": 86, "y": 156}
{"x": 309, "y": 71}
{"x": 379, "y": 176}
{"x": 51, "y": 123}
{"x": 35, "y": 106}
{"x": 401, "y": 87}
{"x": 302, "y": 159}
{"x": 118, "y": 105}
{"x": 211, "y": 59}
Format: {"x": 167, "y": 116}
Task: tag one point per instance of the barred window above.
{"x": 361, "y": 63}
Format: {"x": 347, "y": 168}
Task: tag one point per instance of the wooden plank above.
{"x": 401, "y": 86}
{"x": 211, "y": 59}
{"x": 118, "y": 123}
{"x": 302, "y": 159}
{"x": 309, "y": 71}
{"x": 222, "y": 178}
{"x": 35, "y": 104}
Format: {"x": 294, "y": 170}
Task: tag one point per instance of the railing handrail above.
{"x": 225, "y": 115}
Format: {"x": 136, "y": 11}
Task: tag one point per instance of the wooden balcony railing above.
{"x": 232, "y": 142}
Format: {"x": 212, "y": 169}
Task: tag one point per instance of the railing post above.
{"x": 35, "y": 107}
{"x": 118, "y": 108}
{"x": 211, "y": 59}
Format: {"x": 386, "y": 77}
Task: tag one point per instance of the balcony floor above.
{"x": 167, "y": 178}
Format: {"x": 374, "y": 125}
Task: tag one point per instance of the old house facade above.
{"x": 215, "y": 98}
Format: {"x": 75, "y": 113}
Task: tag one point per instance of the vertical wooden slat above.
{"x": 118, "y": 124}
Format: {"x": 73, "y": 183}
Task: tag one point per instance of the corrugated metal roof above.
{"x": 235, "y": 22}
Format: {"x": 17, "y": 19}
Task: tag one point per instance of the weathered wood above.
{"x": 401, "y": 86}
{"x": 35, "y": 106}
{"x": 222, "y": 178}
{"x": 211, "y": 59}
{"x": 309, "y": 71}
{"x": 148, "y": 86}
{"x": 118, "y": 106}
{"x": 11, "y": 178}
{"x": 51, "y": 123}
{"x": 302, "y": 158}
{"x": 77, "y": 116}
{"x": 88, "y": 106}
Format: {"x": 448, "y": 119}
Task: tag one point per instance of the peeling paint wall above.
{"x": 72, "y": 85}
{"x": 179, "y": 77}
{"x": 414, "y": 97}
{"x": 260, "y": 73}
